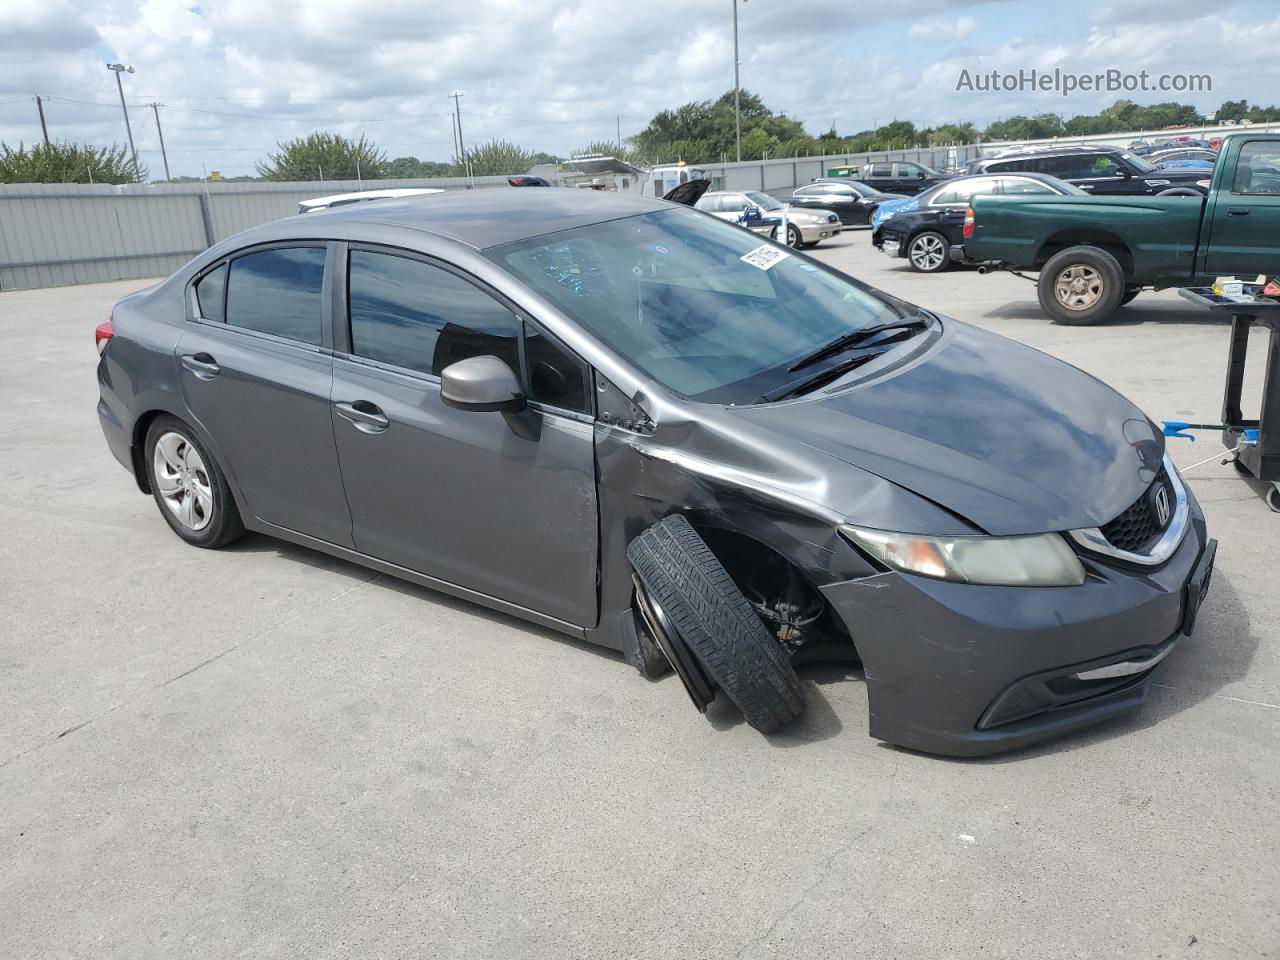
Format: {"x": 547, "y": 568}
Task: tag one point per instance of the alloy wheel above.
{"x": 926, "y": 252}
{"x": 182, "y": 480}
{"x": 1078, "y": 287}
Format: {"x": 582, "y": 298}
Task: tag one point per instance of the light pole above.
{"x": 117, "y": 69}
{"x": 737, "y": 112}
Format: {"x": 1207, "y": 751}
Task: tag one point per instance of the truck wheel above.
{"x": 929, "y": 252}
{"x": 1129, "y": 294}
{"x": 1181, "y": 192}
{"x": 708, "y": 630}
{"x": 1081, "y": 286}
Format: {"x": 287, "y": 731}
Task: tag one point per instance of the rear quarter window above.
{"x": 211, "y": 295}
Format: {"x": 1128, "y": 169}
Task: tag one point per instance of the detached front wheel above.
{"x": 707, "y": 629}
{"x": 1081, "y": 286}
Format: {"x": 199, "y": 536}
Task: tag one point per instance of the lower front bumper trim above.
{"x": 1125, "y": 668}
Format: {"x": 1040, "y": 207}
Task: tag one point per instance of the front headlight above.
{"x": 1040, "y": 560}
{"x": 887, "y": 215}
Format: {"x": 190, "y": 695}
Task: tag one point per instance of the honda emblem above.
{"x": 1163, "y": 509}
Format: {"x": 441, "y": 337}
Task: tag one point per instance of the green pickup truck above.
{"x": 1096, "y": 253}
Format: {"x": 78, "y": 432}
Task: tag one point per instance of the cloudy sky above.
{"x": 235, "y": 76}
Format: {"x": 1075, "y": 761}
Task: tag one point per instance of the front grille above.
{"x": 1138, "y": 528}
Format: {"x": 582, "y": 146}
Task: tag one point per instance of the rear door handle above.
{"x": 365, "y": 415}
{"x": 1237, "y": 211}
{"x": 202, "y": 365}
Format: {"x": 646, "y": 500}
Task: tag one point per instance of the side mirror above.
{"x": 921, "y": 174}
{"x": 1125, "y": 173}
{"x": 481, "y": 384}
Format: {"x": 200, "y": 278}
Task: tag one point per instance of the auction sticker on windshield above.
{"x": 764, "y": 257}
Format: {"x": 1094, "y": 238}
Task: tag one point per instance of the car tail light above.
{"x": 968, "y": 223}
{"x": 102, "y": 334}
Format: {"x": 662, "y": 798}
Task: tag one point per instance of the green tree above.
{"x": 411, "y": 168}
{"x": 497, "y": 158}
{"x": 67, "y": 163}
{"x": 324, "y": 156}
{"x": 704, "y": 131}
{"x": 1235, "y": 110}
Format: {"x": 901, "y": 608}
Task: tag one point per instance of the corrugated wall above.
{"x": 53, "y": 234}
{"x": 63, "y": 233}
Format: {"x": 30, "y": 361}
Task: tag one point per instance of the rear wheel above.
{"x": 1081, "y": 286}
{"x": 929, "y": 252}
{"x": 708, "y": 629}
{"x": 189, "y": 486}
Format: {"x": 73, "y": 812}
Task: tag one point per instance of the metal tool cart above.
{"x": 1256, "y": 442}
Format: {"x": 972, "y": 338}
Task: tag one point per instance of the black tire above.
{"x": 1273, "y": 500}
{"x": 871, "y": 212}
{"x": 715, "y": 621}
{"x": 928, "y": 252}
{"x": 794, "y": 240}
{"x": 1101, "y": 285}
{"x": 1240, "y": 467}
{"x": 224, "y": 525}
{"x": 1130, "y": 293}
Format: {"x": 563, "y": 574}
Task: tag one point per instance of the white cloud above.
{"x": 943, "y": 30}
{"x": 235, "y": 76}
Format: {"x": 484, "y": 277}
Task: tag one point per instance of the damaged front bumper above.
{"x": 964, "y": 670}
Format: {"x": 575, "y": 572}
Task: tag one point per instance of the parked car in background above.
{"x": 638, "y": 426}
{"x": 1097, "y": 168}
{"x": 362, "y": 196}
{"x": 851, "y": 200}
{"x": 1095, "y": 254}
{"x": 761, "y": 213}
{"x": 904, "y": 177}
{"x": 1183, "y": 157}
{"x": 528, "y": 180}
{"x": 927, "y": 230}
{"x": 758, "y": 212}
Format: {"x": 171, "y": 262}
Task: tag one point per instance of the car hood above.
{"x": 1011, "y": 439}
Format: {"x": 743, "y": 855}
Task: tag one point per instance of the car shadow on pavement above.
{"x": 260, "y": 543}
{"x": 1219, "y": 653}
{"x": 1126, "y": 316}
{"x": 818, "y": 722}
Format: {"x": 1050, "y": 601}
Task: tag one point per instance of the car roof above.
{"x": 337, "y": 199}
{"x": 491, "y": 216}
{"x": 1052, "y": 151}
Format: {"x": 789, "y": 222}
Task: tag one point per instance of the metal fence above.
{"x": 52, "y": 234}
{"x": 64, "y": 233}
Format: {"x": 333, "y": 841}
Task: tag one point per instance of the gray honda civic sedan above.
{"x": 634, "y": 423}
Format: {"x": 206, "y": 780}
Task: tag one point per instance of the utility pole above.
{"x": 155, "y": 108}
{"x": 43, "y": 128}
{"x": 453, "y": 130}
{"x": 619, "y": 133}
{"x": 117, "y": 69}
{"x": 462, "y": 147}
{"x": 737, "y": 110}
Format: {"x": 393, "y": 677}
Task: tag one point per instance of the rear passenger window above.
{"x": 556, "y": 377}
{"x": 211, "y": 292}
{"x": 412, "y": 314}
{"x": 279, "y": 292}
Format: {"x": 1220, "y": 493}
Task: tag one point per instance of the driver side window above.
{"x": 1258, "y": 169}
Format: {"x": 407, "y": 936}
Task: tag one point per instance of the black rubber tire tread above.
{"x": 946, "y": 252}
{"x": 1113, "y": 285}
{"x": 794, "y": 232}
{"x": 717, "y": 623}
{"x": 1130, "y": 293}
{"x": 227, "y": 526}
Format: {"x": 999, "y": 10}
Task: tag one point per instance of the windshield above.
{"x": 763, "y": 200}
{"x": 701, "y": 306}
{"x": 1139, "y": 164}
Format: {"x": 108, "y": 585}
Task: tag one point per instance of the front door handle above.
{"x": 365, "y": 415}
{"x": 202, "y": 365}
{"x": 1237, "y": 211}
